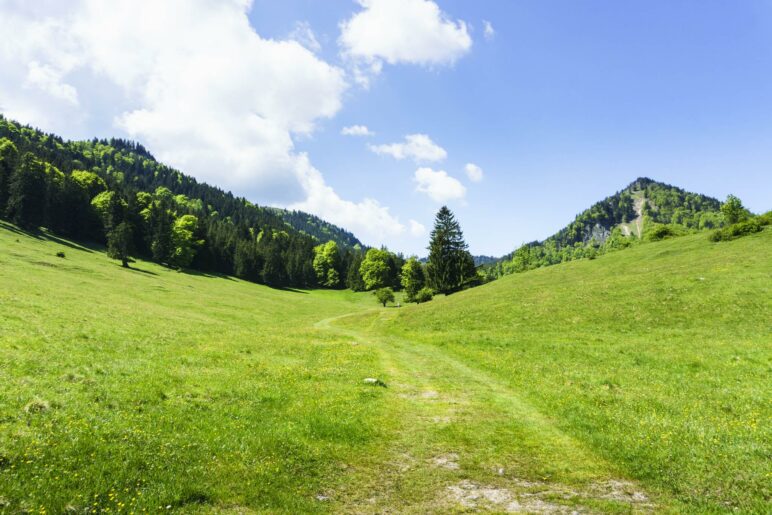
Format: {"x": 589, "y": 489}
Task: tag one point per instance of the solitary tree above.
{"x": 449, "y": 260}
{"x": 384, "y": 295}
{"x": 120, "y": 243}
{"x": 412, "y": 278}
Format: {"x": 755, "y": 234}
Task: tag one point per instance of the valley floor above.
{"x": 638, "y": 382}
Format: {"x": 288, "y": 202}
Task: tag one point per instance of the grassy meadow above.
{"x": 636, "y": 382}
{"x": 655, "y": 361}
{"x": 134, "y": 390}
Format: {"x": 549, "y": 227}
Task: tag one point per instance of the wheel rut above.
{"x": 465, "y": 441}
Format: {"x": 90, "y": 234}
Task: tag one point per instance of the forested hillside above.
{"x": 115, "y": 192}
{"x": 316, "y": 227}
{"x": 646, "y": 209}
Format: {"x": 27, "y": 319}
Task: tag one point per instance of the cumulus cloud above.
{"x": 473, "y": 172}
{"x": 194, "y": 82}
{"x": 418, "y": 147}
{"x": 488, "y": 32}
{"x": 367, "y": 218}
{"x": 356, "y": 130}
{"x": 438, "y": 185}
{"x": 417, "y": 229}
{"x": 401, "y": 31}
{"x": 49, "y": 80}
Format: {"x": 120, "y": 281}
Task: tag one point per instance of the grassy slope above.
{"x": 150, "y": 387}
{"x": 550, "y": 389}
{"x": 655, "y": 361}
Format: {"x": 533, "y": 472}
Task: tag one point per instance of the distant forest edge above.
{"x": 646, "y": 210}
{"x": 86, "y": 190}
{"x": 115, "y": 193}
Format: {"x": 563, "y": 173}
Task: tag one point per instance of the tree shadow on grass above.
{"x": 291, "y": 290}
{"x": 211, "y": 275}
{"x": 133, "y": 269}
{"x": 45, "y": 236}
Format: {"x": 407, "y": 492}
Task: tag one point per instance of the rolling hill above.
{"x": 129, "y": 164}
{"x": 616, "y": 222}
{"x": 634, "y": 382}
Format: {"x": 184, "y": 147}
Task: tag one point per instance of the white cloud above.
{"x": 303, "y": 34}
{"x": 488, "y": 30}
{"x": 356, "y": 130}
{"x": 473, "y": 172}
{"x": 418, "y": 147}
{"x": 367, "y": 219}
{"x": 49, "y": 80}
{"x": 438, "y": 185}
{"x": 194, "y": 82}
{"x": 401, "y": 31}
{"x": 417, "y": 229}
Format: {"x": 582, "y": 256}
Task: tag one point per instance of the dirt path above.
{"x": 464, "y": 441}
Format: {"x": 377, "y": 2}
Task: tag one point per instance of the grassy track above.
{"x": 653, "y": 363}
{"x": 463, "y": 440}
{"x": 635, "y": 382}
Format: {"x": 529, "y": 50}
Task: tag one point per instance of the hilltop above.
{"x": 617, "y": 222}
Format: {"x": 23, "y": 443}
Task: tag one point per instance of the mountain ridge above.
{"x": 617, "y": 221}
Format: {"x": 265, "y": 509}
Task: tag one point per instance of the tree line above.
{"x": 115, "y": 193}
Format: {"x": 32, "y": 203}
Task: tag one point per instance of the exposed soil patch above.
{"x": 622, "y": 491}
{"x": 539, "y": 497}
{"x": 471, "y": 495}
{"x": 447, "y": 461}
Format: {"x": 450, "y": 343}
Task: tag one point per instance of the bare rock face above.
{"x": 597, "y": 233}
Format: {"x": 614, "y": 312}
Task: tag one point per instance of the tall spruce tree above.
{"x": 449, "y": 259}
{"x": 8, "y": 156}
{"x": 27, "y": 193}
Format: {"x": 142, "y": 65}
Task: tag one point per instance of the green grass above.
{"x": 149, "y": 388}
{"x": 637, "y": 381}
{"x": 655, "y": 360}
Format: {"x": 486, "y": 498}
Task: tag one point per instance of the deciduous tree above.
{"x": 184, "y": 243}
{"x": 327, "y": 264}
{"x": 733, "y": 210}
{"x": 413, "y": 278}
{"x": 384, "y": 295}
{"x": 375, "y": 270}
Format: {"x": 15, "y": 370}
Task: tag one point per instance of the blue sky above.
{"x": 563, "y": 104}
